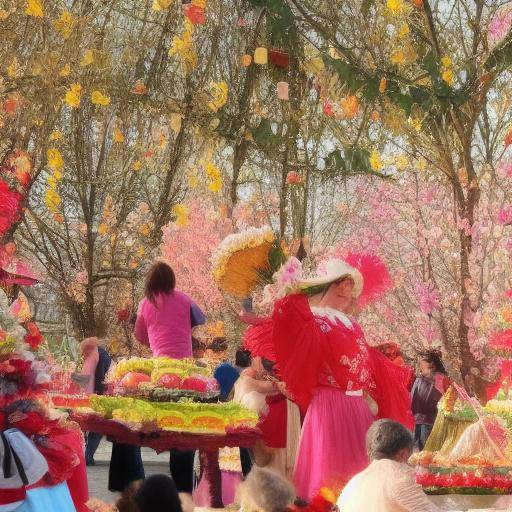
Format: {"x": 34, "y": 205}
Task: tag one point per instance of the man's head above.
{"x": 387, "y": 439}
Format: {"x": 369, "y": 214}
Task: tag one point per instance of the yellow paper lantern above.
{"x": 260, "y": 55}
{"x": 246, "y": 60}
{"x": 282, "y": 90}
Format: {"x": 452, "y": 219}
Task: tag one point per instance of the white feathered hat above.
{"x": 332, "y": 271}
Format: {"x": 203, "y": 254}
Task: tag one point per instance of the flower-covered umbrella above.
{"x": 242, "y": 261}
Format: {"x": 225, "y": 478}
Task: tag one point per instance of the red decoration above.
{"x": 34, "y": 336}
{"x": 195, "y": 14}
{"x": 279, "y": 58}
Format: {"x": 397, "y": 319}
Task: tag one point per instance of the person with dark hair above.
{"x": 426, "y": 392}
{"x": 165, "y": 320}
{"x": 388, "y": 483}
{"x": 155, "y": 494}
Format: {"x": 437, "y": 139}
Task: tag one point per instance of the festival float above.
{"x": 469, "y": 451}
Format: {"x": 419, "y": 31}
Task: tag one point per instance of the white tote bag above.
{"x": 21, "y": 463}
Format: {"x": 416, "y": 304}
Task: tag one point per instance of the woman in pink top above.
{"x": 166, "y": 316}
{"x": 165, "y": 320}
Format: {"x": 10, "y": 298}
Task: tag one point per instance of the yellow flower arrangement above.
{"x": 65, "y": 24}
{"x": 239, "y": 259}
{"x": 219, "y": 94}
{"x": 34, "y": 8}
{"x": 98, "y": 98}
{"x": 74, "y": 95}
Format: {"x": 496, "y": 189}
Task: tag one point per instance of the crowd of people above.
{"x": 335, "y": 412}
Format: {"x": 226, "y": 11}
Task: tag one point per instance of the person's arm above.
{"x": 264, "y": 387}
{"x": 403, "y": 490}
{"x": 141, "y": 330}
{"x": 197, "y": 316}
{"x": 250, "y": 318}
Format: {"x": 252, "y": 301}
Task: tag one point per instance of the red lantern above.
{"x": 278, "y": 58}
{"x": 195, "y": 14}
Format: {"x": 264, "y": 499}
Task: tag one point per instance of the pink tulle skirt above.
{"x": 332, "y": 444}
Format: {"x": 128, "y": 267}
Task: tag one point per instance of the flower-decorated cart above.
{"x": 163, "y": 403}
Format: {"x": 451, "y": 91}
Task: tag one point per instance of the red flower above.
{"x": 11, "y": 205}
{"x": 33, "y": 337}
{"x": 195, "y": 14}
{"x": 123, "y": 315}
{"x": 328, "y": 110}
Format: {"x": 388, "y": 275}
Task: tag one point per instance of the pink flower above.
{"x": 505, "y": 216}
{"x": 500, "y": 26}
{"x": 428, "y": 297}
{"x": 504, "y": 169}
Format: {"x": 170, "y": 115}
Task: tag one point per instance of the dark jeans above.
{"x": 125, "y": 466}
{"x": 421, "y": 433}
{"x": 91, "y": 445}
{"x": 182, "y": 469}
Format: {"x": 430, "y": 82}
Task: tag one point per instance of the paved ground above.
{"x": 98, "y": 479}
{"x": 98, "y": 474}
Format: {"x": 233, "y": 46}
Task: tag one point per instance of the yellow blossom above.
{"x": 383, "y": 85}
{"x": 65, "y": 24}
{"x": 144, "y": 229}
{"x": 87, "y": 59}
{"x": 183, "y": 47}
{"x": 137, "y": 165}
{"x": 421, "y": 164}
{"x": 52, "y": 182}
{"x": 141, "y": 252}
{"x": 74, "y": 95}
{"x": 447, "y": 76}
{"x": 118, "y": 135}
{"x": 55, "y": 160}
{"x": 52, "y": 200}
{"x": 395, "y": 6}
{"x": 199, "y": 3}
{"x": 55, "y": 135}
{"x": 34, "y": 8}
{"x": 102, "y": 229}
{"x": 98, "y": 98}
{"x": 4, "y": 14}
{"x": 403, "y": 30}
{"x": 160, "y": 5}
{"x": 215, "y": 185}
{"x": 65, "y": 71}
{"x": 401, "y": 162}
{"x": 219, "y": 94}
{"x": 446, "y": 62}
{"x": 14, "y": 69}
{"x": 397, "y": 57}
{"x": 181, "y": 212}
{"x": 375, "y": 162}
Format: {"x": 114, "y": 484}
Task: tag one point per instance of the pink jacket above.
{"x": 166, "y": 326}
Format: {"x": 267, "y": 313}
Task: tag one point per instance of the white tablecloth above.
{"x": 454, "y": 502}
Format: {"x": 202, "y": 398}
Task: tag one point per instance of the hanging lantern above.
{"x": 282, "y": 90}
{"x": 260, "y": 55}
{"x": 246, "y": 60}
{"x": 278, "y": 58}
{"x": 195, "y": 14}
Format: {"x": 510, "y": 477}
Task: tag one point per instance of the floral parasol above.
{"x": 242, "y": 261}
